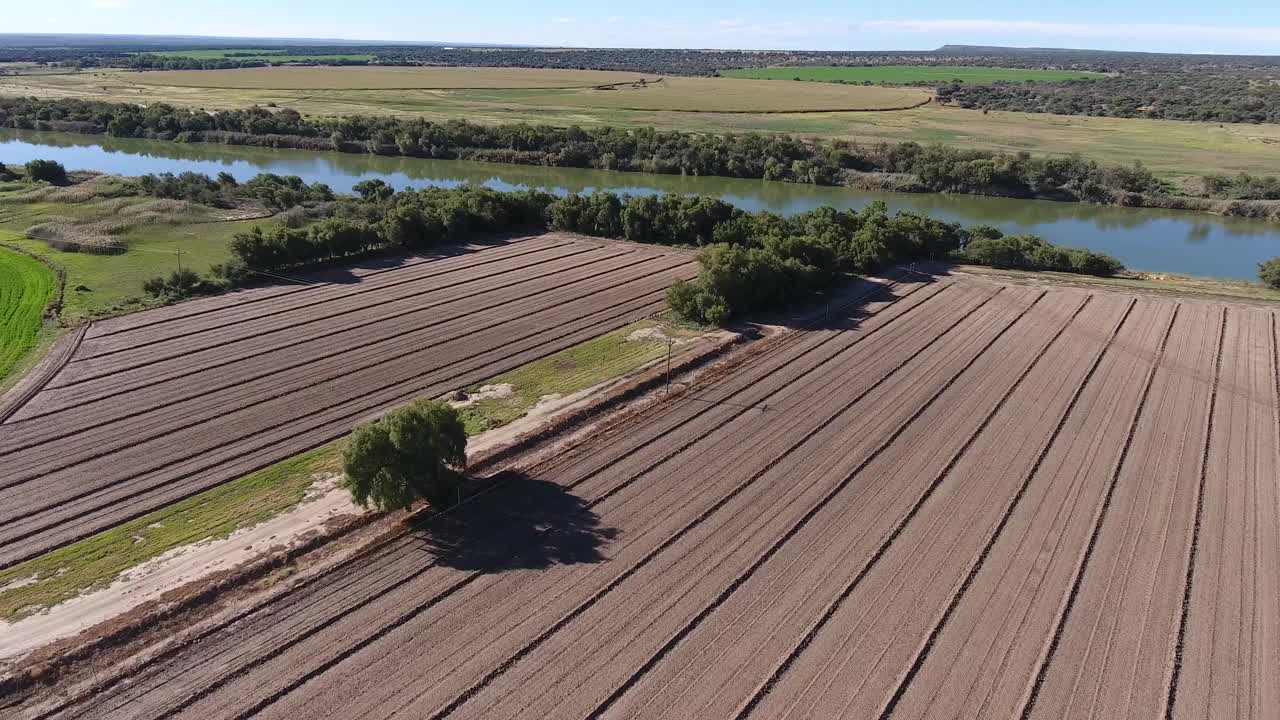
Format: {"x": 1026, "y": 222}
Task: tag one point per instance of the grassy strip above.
{"x": 569, "y": 371}
{"x": 96, "y": 561}
{"x": 26, "y": 285}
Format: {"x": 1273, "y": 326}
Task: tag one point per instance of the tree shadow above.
{"x": 523, "y": 523}
{"x": 846, "y": 306}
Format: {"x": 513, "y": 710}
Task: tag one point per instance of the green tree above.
{"x": 50, "y": 171}
{"x": 413, "y": 452}
{"x": 1269, "y": 273}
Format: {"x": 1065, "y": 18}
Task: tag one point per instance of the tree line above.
{"x": 751, "y": 261}
{"x": 905, "y": 166}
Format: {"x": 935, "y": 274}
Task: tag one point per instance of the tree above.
{"x": 413, "y": 452}
{"x": 1269, "y": 273}
{"x": 50, "y": 171}
{"x": 373, "y": 189}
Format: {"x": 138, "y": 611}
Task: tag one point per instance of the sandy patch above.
{"x": 655, "y": 334}
{"x": 148, "y": 581}
{"x": 500, "y": 391}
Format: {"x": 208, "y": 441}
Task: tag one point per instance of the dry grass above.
{"x": 561, "y": 88}
{"x": 687, "y": 94}
{"x": 382, "y": 78}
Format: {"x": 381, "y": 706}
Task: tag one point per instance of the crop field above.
{"x": 1173, "y": 149}
{"x": 560, "y": 88}
{"x": 276, "y": 56}
{"x": 958, "y": 500}
{"x": 907, "y": 74}
{"x": 157, "y": 406}
{"x": 26, "y": 286}
{"x": 384, "y": 78}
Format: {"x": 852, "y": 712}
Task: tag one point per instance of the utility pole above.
{"x": 179, "y": 252}
{"x": 670, "y": 342}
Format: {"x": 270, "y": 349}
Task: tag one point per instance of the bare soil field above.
{"x": 959, "y": 499}
{"x": 157, "y": 406}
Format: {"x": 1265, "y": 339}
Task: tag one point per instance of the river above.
{"x": 1147, "y": 239}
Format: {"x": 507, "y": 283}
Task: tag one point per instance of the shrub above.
{"x": 413, "y": 452}
{"x": 1269, "y": 273}
{"x": 50, "y": 171}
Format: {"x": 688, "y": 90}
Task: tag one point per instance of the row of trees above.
{"x": 912, "y": 166}
{"x": 751, "y": 261}
{"x": 989, "y": 246}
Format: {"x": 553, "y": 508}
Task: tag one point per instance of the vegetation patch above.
{"x": 95, "y": 562}
{"x": 135, "y": 239}
{"x": 905, "y": 74}
{"x": 26, "y": 285}
{"x": 583, "y": 366}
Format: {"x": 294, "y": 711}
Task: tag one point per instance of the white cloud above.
{"x": 564, "y": 20}
{"x": 108, "y": 4}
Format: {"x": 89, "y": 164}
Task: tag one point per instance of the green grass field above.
{"x": 276, "y": 55}
{"x": 907, "y": 74}
{"x": 103, "y": 285}
{"x": 26, "y": 286}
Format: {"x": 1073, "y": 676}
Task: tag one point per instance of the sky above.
{"x": 1233, "y": 26}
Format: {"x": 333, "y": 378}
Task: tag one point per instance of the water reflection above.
{"x": 1162, "y": 240}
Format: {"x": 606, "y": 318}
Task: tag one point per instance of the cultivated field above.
{"x": 1168, "y": 147}
{"x": 157, "y": 406}
{"x": 558, "y": 88}
{"x": 964, "y": 500}
{"x": 907, "y": 74}
{"x": 383, "y": 78}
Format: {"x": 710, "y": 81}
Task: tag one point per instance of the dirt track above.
{"x": 160, "y": 405}
{"x": 967, "y": 501}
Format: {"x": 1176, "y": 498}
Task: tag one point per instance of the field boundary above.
{"x": 53, "y": 363}
{"x": 807, "y": 111}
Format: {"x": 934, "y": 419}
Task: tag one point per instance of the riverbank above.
{"x": 1157, "y": 240}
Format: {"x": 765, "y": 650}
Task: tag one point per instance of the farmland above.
{"x": 957, "y": 499}
{"x": 26, "y": 285}
{"x": 1173, "y": 149}
{"x": 906, "y": 74}
{"x": 157, "y": 406}
{"x": 273, "y": 56}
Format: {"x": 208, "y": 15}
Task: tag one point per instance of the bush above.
{"x": 414, "y": 452}
{"x": 49, "y": 171}
{"x": 988, "y": 246}
{"x": 180, "y": 284}
{"x": 1269, "y": 273}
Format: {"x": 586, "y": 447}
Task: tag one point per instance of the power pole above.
{"x": 670, "y": 342}
{"x": 179, "y": 252}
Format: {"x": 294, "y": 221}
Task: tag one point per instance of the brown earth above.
{"x": 960, "y": 499}
{"x": 161, "y": 405}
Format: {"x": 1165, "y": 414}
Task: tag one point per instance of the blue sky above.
{"x": 1235, "y": 26}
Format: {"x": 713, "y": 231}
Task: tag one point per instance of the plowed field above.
{"x": 959, "y": 499}
{"x": 161, "y": 405}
